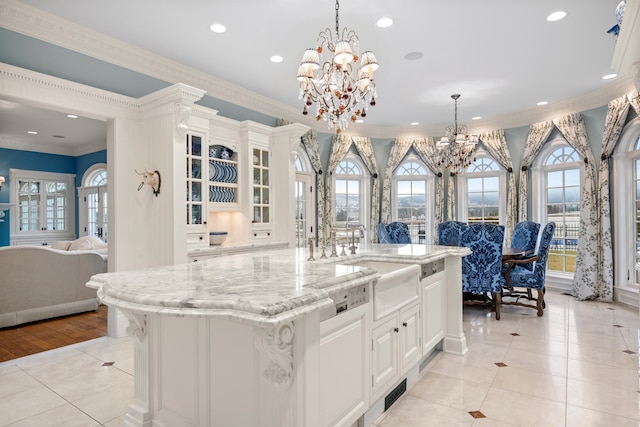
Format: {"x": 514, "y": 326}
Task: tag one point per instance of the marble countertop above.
{"x": 262, "y": 288}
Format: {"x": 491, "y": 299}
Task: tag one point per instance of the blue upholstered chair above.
{"x": 449, "y": 233}
{"x": 482, "y": 278}
{"x": 525, "y": 236}
{"x": 394, "y": 232}
{"x": 517, "y": 276}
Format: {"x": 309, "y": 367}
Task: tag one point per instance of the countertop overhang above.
{"x": 262, "y": 288}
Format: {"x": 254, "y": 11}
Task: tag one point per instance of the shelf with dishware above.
{"x": 223, "y": 179}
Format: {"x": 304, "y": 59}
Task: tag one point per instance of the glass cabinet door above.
{"x": 195, "y": 181}
{"x": 261, "y": 187}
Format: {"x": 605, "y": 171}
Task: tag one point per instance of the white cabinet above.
{"x": 344, "y": 367}
{"x": 197, "y": 190}
{"x": 261, "y": 192}
{"x": 433, "y": 309}
{"x": 223, "y": 177}
{"x": 396, "y": 347}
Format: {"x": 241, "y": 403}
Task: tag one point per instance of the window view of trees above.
{"x": 483, "y": 191}
{"x": 562, "y": 192}
{"x": 348, "y": 194}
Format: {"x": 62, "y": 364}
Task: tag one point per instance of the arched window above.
{"x": 557, "y": 175}
{"x": 413, "y": 198}
{"x": 482, "y": 191}
{"x": 93, "y": 202}
{"x": 625, "y": 208}
{"x": 351, "y": 184}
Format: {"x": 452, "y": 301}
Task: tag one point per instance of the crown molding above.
{"x": 25, "y": 19}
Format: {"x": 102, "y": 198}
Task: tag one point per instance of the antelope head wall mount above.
{"x": 152, "y": 179}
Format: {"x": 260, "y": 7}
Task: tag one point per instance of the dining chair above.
{"x": 521, "y": 277}
{"x": 449, "y": 233}
{"x": 394, "y": 232}
{"x": 525, "y": 237}
{"x": 482, "y": 278}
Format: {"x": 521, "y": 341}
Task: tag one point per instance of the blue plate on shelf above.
{"x": 234, "y": 173}
{"x": 212, "y": 172}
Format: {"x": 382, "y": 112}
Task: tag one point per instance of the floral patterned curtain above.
{"x": 496, "y": 145}
{"x": 339, "y": 148}
{"x": 426, "y": 149}
{"x": 585, "y": 278}
{"x": 365, "y": 149}
{"x": 311, "y": 145}
{"x": 616, "y": 116}
{"x": 451, "y": 198}
{"x": 399, "y": 149}
{"x": 634, "y": 99}
{"x": 538, "y": 134}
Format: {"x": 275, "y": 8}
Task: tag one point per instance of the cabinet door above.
{"x": 384, "y": 362}
{"x": 344, "y": 367}
{"x": 410, "y": 349}
{"x": 196, "y": 181}
{"x": 433, "y": 312}
{"x": 261, "y": 162}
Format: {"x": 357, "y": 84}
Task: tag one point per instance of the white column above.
{"x": 454, "y": 339}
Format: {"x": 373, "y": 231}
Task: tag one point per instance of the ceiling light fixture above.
{"x": 276, "y": 58}
{"x": 384, "y": 22}
{"x": 556, "y": 16}
{"x": 342, "y": 91}
{"x": 218, "y": 28}
{"x": 32, "y": 132}
{"x": 542, "y": 103}
{"x": 609, "y": 76}
{"x": 72, "y": 116}
{"x": 456, "y": 150}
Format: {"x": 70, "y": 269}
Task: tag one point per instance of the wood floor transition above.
{"x": 35, "y": 337}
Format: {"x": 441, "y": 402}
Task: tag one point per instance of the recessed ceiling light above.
{"x": 384, "y": 22}
{"x": 359, "y": 121}
{"x": 415, "y": 123}
{"x": 32, "y": 132}
{"x": 542, "y": 103}
{"x": 609, "y": 76}
{"x": 556, "y": 16}
{"x": 218, "y": 28}
{"x": 72, "y": 116}
{"x": 276, "y": 58}
{"x": 58, "y": 136}
{"x": 476, "y": 118}
{"x": 412, "y": 56}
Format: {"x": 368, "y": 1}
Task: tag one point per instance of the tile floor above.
{"x": 575, "y": 366}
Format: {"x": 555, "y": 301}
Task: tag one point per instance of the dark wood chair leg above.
{"x": 496, "y": 302}
{"x": 540, "y": 302}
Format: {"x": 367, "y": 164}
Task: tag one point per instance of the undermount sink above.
{"x": 398, "y": 285}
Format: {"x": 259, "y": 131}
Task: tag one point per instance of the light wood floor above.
{"x": 30, "y": 338}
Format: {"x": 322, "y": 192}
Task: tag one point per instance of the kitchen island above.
{"x": 239, "y": 340}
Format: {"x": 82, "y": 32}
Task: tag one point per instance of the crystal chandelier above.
{"x": 341, "y": 90}
{"x": 456, "y": 150}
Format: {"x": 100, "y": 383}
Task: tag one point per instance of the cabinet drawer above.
{"x": 261, "y": 235}
{"x": 197, "y": 240}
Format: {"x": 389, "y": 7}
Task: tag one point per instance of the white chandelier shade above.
{"x": 456, "y": 150}
{"x": 341, "y": 90}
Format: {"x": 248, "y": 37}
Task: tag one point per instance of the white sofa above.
{"x": 39, "y": 282}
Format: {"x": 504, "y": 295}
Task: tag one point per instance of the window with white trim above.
{"x": 482, "y": 191}
{"x": 557, "y": 177}
{"x": 350, "y": 190}
{"x": 413, "y": 198}
{"x": 44, "y": 206}
{"x": 625, "y": 209}
{"x": 304, "y": 198}
{"x": 93, "y": 203}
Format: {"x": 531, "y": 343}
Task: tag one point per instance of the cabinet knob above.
{"x": 201, "y": 237}
{"x": 396, "y": 330}
{"x": 404, "y": 324}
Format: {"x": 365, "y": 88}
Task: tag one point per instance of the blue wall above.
{"x": 29, "y": 160}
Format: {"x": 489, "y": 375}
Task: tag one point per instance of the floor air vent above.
{"x": 395, "y": 394}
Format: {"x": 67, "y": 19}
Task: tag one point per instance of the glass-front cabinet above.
{"x": 261, "y": 187}
{"x": 195, "y": 182}
{"x": 261, "y": 197}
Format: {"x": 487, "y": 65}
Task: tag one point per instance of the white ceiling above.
{"x": 501, "y": 55}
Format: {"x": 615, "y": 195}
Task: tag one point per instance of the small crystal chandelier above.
{"x": 342, "y": 90}
{"x": 456, "y": 150}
